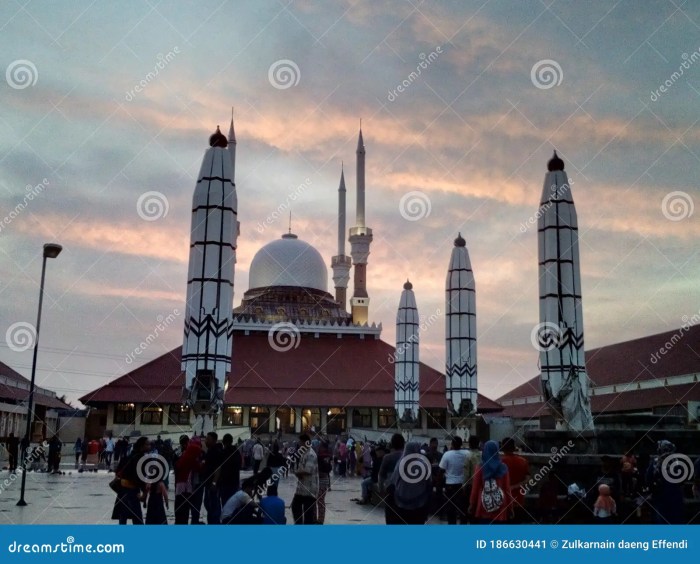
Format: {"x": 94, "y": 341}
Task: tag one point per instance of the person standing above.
{"x": 666, "y": 494}
{"x": 85, "y": 452}
{"x": 519, "y": 474}
{"x": 306, "y": 471}
{"x": 186, "y": 466}
{"x": 131, "y": 486}
{"x": 213, "y": 458}
{"x": 413, "y": 486}
{"x": 258, "y": 454}
{"x": 78, "y": 450}
{"x": 12, "y": 444}
{"x": 386, "y": 471}
{"x": 230, "y": 475}
{"x": 109, "y": 451}
{"x": 490, "y": 500}
{"x": 325, "y": 467}
{"x": 54, "y": 454}
{"x": 452, "y": 464}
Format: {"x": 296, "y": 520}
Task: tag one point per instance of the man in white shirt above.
{"x": 109, "y": 451}
{"x": 258, "y": 454}
{"x": 306, "y": 471}
{"x": 452, "y": 465}
{"x": 240, "y": 506}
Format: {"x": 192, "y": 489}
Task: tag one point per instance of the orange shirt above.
{"x": 519, "y": 470}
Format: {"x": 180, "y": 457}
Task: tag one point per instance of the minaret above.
{"x": 560, "y": 332}
{"x": 232, "y": 145}
{"x": 206, "y": 349}
{"x": 460, "y": 333}
{"x": 341, "y": 263}
{"x": 406, "y": 361}
{"x": 360, "y": 239}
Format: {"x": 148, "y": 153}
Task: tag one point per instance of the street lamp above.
{"x": 51, "y": 250}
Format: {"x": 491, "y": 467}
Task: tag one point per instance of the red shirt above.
{"x": 519, "y": 470}
{"x": 475, "y": 499}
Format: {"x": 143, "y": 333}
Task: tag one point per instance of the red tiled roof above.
{"x": 16, "y": 394}
{"x": 635, "y": 400}
{"x": 631, "y": 361}
{"x": 323, "y": 371}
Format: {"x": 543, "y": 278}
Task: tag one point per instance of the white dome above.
{"x": 288, "y": 262}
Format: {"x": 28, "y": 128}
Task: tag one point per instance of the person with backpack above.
{"x": 412, "y": 486}
{"x": 490, "y": 500}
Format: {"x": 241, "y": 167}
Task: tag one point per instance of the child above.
{"x": 157, "y": 496}
{"x": 605, "y": 507}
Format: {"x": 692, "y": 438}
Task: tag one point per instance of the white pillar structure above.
{"x": 407, "y": 361}
{"x": 565, "y": 382}
{"x": 360, "y": 240}
{"x": 341, "y": 263}
{"x": 460, "y": 333}
{"x": 206, "y": 349}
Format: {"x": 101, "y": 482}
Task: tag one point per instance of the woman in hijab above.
{"x": 666, "y": 492}
{"x": 413, "y": 486}
{"x": 490, "y": 500}
{"x": 132, "y": 486}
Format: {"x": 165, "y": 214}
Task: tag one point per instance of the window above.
{"x": 152, "y": 415}
{"x": 362, "y": 417}
{"x": 179, "y": 415}
{"x": 310, "y": 417}
{"x": 437, "y": 418}
{"x": 233, "y": 415}
{"x": 336, "y": 420}
{"x": 387, "y": 417}
{"x": 124, "y": 413}
{"x": 259, "y": 419}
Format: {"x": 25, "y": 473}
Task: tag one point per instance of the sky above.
{"x": 106, "y": 110}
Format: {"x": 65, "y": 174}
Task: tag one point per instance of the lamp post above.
{"x": 51, "y": 250}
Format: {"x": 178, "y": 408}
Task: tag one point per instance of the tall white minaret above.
{"x": 232, "y": 145}
{"x": 206, "y": 349}
{"x": 565, "y": 383}
{"x": 460, "y": 333}
{"x": 407, "y": 361}
{"x": 360, "y": 240}
{"x": 341, "y": 263}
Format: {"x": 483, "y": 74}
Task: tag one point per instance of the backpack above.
{"x": 491, "y": 496}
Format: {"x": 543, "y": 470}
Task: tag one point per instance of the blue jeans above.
{"x": 366, "y": 486}
{"x": 212, "y": 503}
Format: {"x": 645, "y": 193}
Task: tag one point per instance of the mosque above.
{"x": 292, "y": 355}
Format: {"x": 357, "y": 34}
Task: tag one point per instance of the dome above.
{"x": 288, "y": 261}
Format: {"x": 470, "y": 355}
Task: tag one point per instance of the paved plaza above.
{"x": 85, "y": 498}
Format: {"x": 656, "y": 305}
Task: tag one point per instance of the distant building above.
{"x": 646, "y": 380}
{"x": 14, "y": 394}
